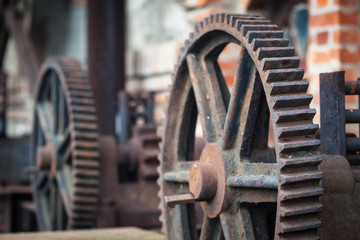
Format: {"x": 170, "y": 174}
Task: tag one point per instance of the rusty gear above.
{"x": 65, "y": 155}
{"x": 142, "y": 151}
{"x": 267, "y": 194}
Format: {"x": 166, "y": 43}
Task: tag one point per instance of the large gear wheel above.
{"x": 246, "y": 189}
{"x": 65, "y": 159}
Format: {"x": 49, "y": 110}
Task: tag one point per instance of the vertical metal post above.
{"x": 332, "y": 110}
{"x": 106, "y": 46}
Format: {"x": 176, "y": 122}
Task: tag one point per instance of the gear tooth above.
{"x": 217, "y": 17}
{"x": 248, "y": 27}
{"x": 233, "y": 21}
{"x": 282, "y": 75}
{"x": 238, "y": 24}
{"x": 222, "y": 18}
{"x": 280, "y": 63}
{"x": 294, "y": 115}
{"x": 191, "y": 37}
{"x": 206, "y": 21}
{"x": 272, "y": 52}
{"x": 257, "y": 43}
{"x": 182, "y": 50}
{"x": 285, "y": 101}
{"x": 211, "y": 19}
{"x": 264, "y": 34}
{"x": 227, "y": 18}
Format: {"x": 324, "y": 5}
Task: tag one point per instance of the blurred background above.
{"x": 133, "y": 45}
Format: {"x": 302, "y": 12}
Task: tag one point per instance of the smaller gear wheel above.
{"x": 65, "y": 151}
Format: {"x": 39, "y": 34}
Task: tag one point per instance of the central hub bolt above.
{"x": 203, "y": 181}
{"x": 44, "y": 158}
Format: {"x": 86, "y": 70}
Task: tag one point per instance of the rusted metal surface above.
{"x": 267, "y": 82}
{"x": 137, "y": 136}
{"x": 341, "y": 206}
{"x": 332, "y": 111}
{"x": 65, "y": 155}
{"x": 341, "y": 211}
{"x": 335, "y": 116}
{"x": 352, "y": 87}
{"x": 106, "y": 56}
{"x": 124, "y": 203}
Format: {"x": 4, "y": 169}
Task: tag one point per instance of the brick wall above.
{"x": 333, "y": 43}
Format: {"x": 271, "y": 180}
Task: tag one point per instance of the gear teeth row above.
{"x": 299, "y": 188}
{"x": 84, "y": 144}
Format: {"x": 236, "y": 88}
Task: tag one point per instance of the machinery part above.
{"x": 3, "y": 79}
{"x": 335, "y": 116}
{"x": 141, "y": 152}
{"x": 65, "y": 154}
{"x": 137, "y": 136}
{"x": 258, "y": 194}
{"x": 341, "y": 205}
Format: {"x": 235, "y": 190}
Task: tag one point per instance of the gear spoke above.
{"x": 55, "y": 97}
{"x": 64, "y": 187}
{"x": 209, "y": 100}
{"x": 45, "y": 119}
{"x": 240, "y": 124}
{"x": 238, "y": 225}
{"x": 211, "y": 229}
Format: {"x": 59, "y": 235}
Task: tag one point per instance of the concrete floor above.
{"x": 128, "y": 233}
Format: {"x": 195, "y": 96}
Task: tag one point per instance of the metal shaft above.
{"x": 106, "y": 44}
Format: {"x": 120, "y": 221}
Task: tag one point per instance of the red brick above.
{"x": 322, "y": 3}
{"x": 228, "y": 69}
{"x": 346, "y": 36}
{"x": 347, "y": 56}
{"x": 332, "y": 18}
{"x": 322, "y": 38}
{"x": 343, "y": 55}
{"x": 311, "y": 39}
{"x": 346, "y": 3}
